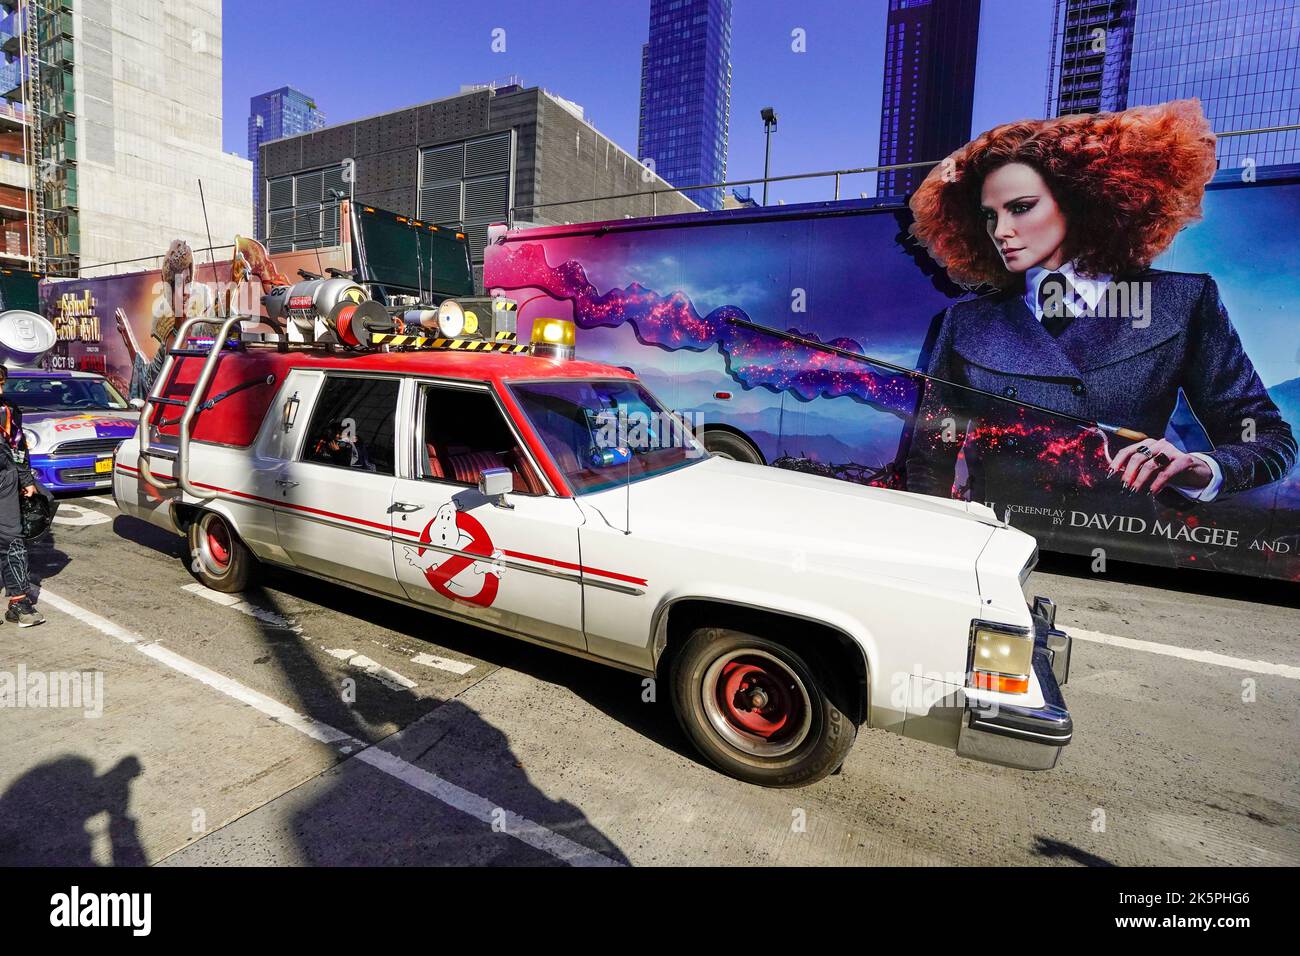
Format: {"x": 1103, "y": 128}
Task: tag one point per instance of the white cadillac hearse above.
{"x": 784, "y": 611}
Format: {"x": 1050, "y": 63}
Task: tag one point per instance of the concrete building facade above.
{"x": 149, "y": 120}
{"x": 484, "y": 156}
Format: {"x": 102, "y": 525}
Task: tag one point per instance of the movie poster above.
{"x": 1110, "y": 371}
{"x": 116, "y": 325}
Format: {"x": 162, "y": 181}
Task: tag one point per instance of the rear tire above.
{"x": 725, "y": 444}
{"x": 757, "y": 710}
{"x": 217, "y": 557}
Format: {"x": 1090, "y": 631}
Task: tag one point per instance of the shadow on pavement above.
{"x": 355, "y": 814}
{"x": 45, "y": 812}
{"x": 1055, "y": 849}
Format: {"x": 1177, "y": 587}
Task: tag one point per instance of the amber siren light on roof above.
{"x": 553, "y": 338}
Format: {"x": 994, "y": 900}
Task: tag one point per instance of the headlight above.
{"x": 1001, "y": 657}
{"x": 33, "y": 439}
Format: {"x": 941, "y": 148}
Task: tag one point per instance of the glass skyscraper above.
{"x": 686, "y": 94}
{"x": 929, "y": 88}
{"x": 273, "y": 115}
{"x": 1096, "y": 38}
{"x": 1241, "y": 58}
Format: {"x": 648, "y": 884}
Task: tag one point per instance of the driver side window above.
{"x": 464, "y": 433}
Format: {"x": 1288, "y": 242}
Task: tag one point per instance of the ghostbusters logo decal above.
{"x": 458, "y": 576}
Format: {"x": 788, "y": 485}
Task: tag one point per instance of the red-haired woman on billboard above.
{"x": 1063, "y": 218}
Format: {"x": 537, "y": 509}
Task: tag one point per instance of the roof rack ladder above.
{"x": 180, "y": 452}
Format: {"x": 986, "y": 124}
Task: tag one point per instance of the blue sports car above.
{"x": 74, "y": 422}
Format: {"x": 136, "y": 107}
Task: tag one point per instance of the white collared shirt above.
{"x": 1082, "y": 297}
{"x": 1085, "y": 291}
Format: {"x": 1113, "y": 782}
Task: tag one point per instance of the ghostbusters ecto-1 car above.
{"x": 550, "y": 499}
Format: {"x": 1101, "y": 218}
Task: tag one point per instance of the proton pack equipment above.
{"x": 326, "y": 310}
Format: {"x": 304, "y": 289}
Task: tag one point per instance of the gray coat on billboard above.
{"x": 1108, "y": 368}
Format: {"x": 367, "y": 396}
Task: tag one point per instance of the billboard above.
{"x": 114, "y": 325}
{"x": 1203, "y": 363}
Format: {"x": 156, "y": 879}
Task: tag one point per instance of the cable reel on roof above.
{"x": 335, "y": 310}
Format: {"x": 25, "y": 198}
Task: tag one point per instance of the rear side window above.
{"x": 352, "y": 426}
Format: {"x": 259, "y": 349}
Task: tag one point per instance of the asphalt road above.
{"x": 300, "y": 724}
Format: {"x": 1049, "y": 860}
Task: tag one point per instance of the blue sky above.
{"x": 358, "y": 60}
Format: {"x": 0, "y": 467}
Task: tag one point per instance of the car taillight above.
{"x": 1001, "y": 657}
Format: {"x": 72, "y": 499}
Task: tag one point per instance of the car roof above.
{"x": 470, "y": 366}
{"x": 45, "y": 373}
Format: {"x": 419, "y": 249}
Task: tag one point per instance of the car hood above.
{"x": 54, "y": 428}
{"x": 781, "y": 515}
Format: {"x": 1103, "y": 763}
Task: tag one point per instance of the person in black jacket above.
{"x": 1063, "y": 218}
{"x": 16, "y": 480}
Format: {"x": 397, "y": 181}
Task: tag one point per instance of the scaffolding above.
{"x": 44, "y": 105}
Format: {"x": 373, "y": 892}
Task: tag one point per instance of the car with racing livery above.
{"x": 558, "y": 501}
{"x": 73, "y": 422}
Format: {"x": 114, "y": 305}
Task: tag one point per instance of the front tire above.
{"x": 218, "y": 558}
{"x": 758, "y": 710}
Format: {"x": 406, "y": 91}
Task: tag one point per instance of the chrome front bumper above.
{"x": 1027, "y": 738}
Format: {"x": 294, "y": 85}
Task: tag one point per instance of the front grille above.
{"x": 86, "y": 446}
{"x": 84, "y": 474}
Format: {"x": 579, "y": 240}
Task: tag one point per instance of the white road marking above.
{"x": 237, "y": 603}
{"x": 480, "y": 808}
{"x": 80, "y": 515}
{"x": 387, "y": 677}
{"x": 1189, "y": 654}
{"x": 442, "y": 663}
{"x": 99, "y": 499}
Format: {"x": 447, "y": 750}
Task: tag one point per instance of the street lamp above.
{"x": 769, "y": 124}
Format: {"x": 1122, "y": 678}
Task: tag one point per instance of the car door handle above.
{"x": 405, "y": 507}
{"x": 286, "y": 483}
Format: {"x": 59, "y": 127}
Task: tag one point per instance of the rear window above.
{"x": 245, "y": 394}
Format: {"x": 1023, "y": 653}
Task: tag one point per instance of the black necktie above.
{"x": 1054, "y": 295}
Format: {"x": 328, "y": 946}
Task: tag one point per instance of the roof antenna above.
{"x": 419, "y": 266}
{"x": 204, "y": 203}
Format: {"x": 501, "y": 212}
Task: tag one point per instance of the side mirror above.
{"x": 136, "y": 403}
{"x": 496, "y": 483}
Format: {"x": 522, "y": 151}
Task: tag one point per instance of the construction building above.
{"x": 111, "y": 116}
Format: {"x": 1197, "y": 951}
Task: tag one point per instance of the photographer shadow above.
{"x": 45, "y": 814}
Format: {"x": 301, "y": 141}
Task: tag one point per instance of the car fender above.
{"x": 856, "y": 631}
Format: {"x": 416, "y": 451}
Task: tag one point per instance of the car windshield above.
{"x": 601, "y": 433}
{"x": 63, "y": 394}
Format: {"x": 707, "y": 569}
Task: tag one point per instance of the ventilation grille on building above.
{"x": 308, "y": 188}
{"x": 280, "y": 193}
{"x": 488, "y": 155}
{"x": 301, "y": 213}
{"x": 467, "y": 185}
{"x": 334, "y": 179}
{"x": 440, "y": 204}
{"x": 443, "y": 162}
{"x": 486, "y": 199}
